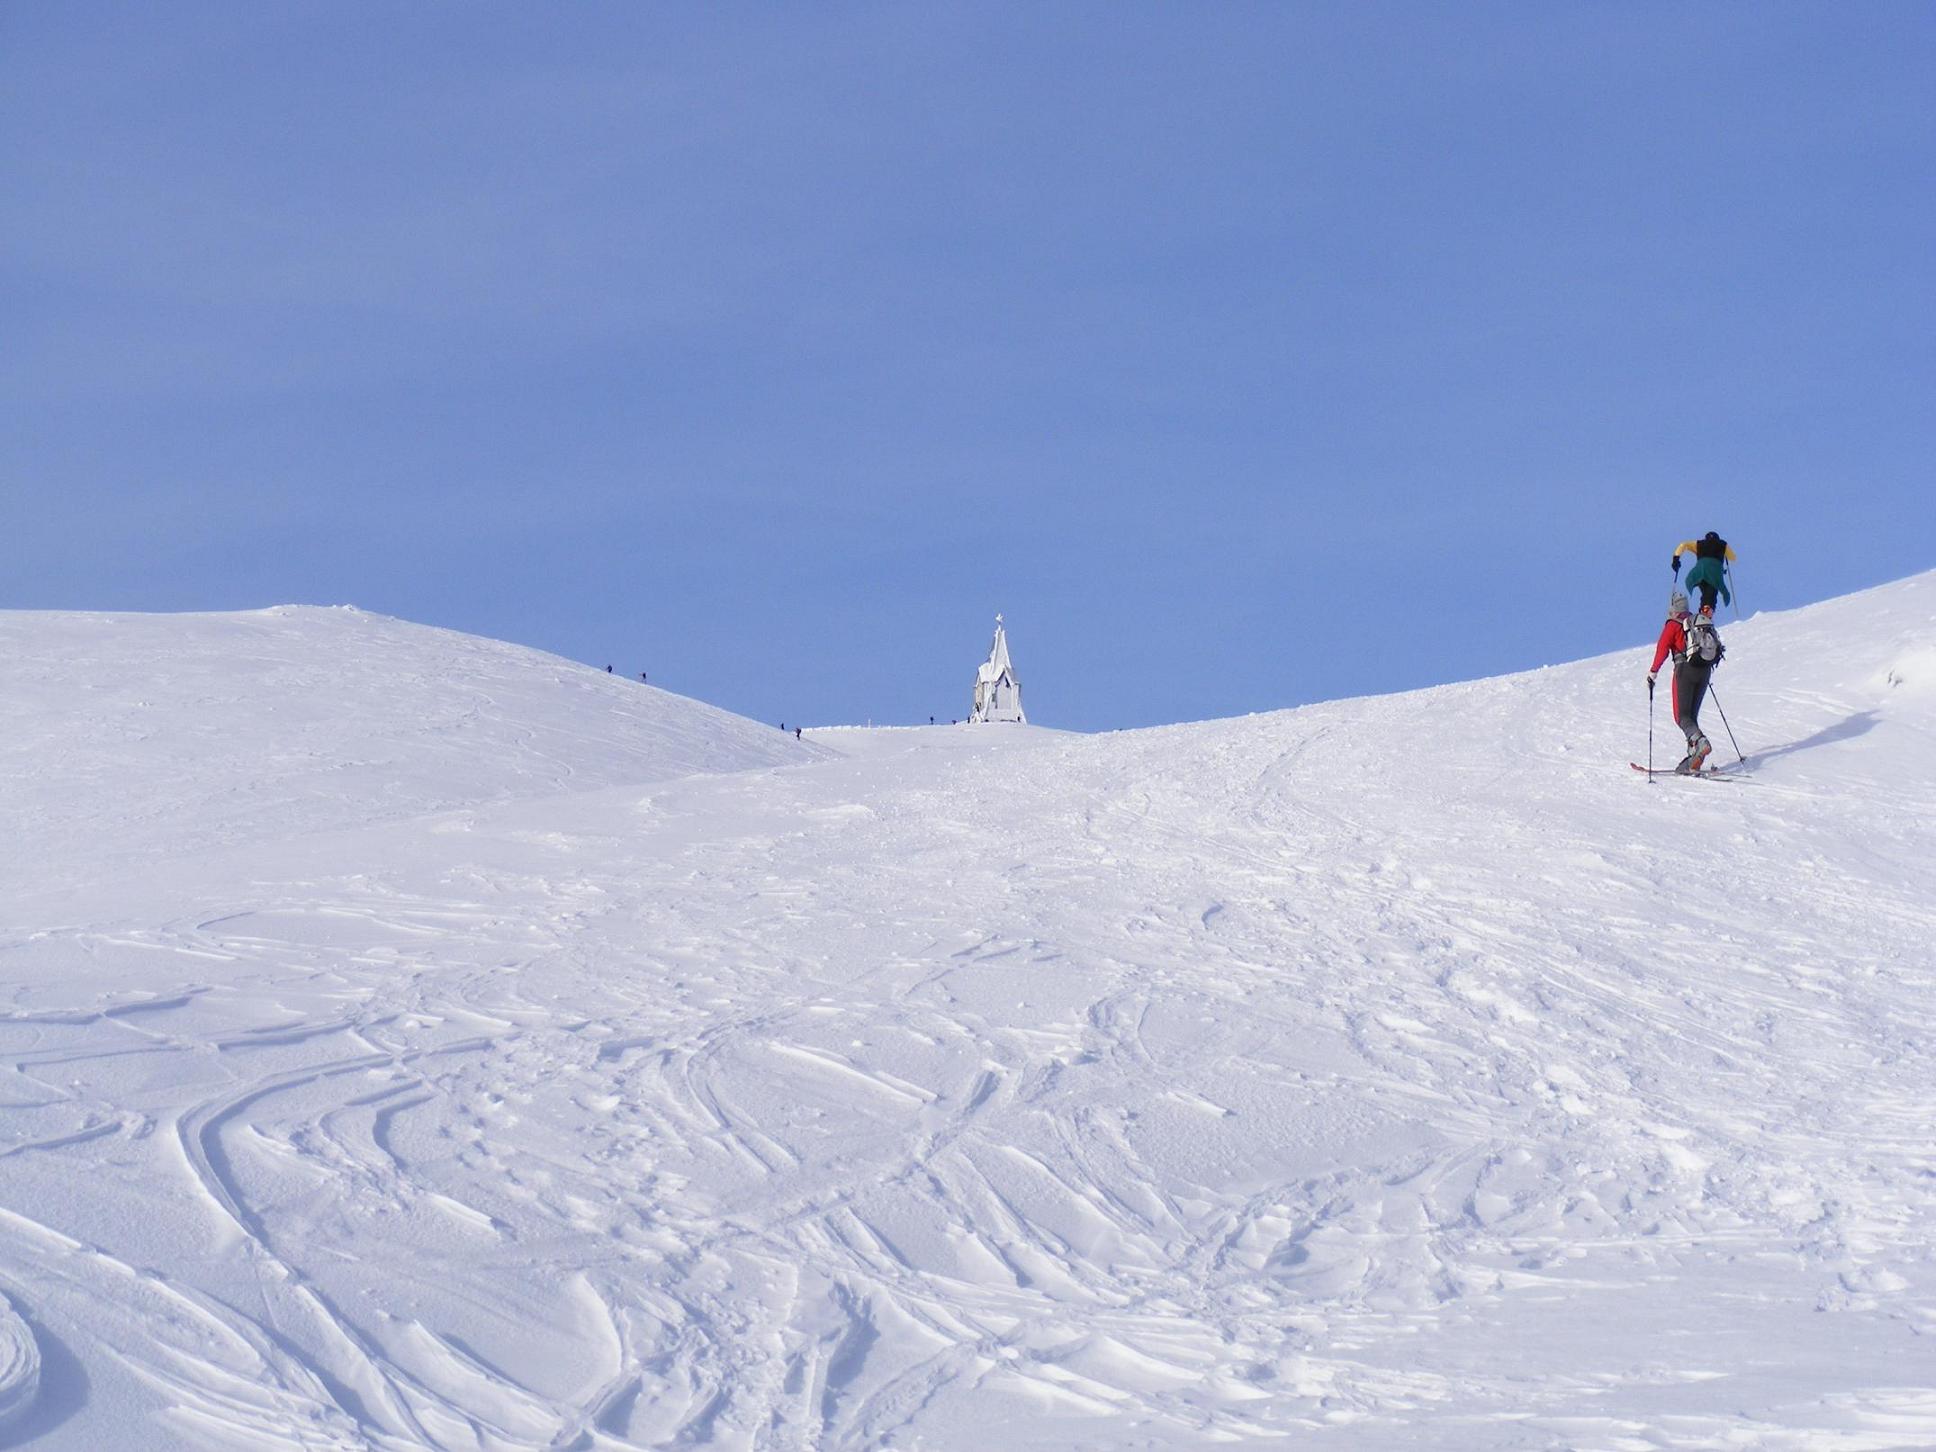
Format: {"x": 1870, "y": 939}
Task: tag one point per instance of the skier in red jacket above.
{"x": 1696, "y": 647}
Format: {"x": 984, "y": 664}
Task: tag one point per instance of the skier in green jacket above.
{"x": 1710, "y": 573}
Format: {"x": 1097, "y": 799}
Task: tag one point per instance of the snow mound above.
{"x": 19, "y": 1366}
{"x": 165, "y": 733}
{"x": 1913, "y": 671}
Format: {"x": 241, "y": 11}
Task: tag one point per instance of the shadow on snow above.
{"x": 1860, "y": 724}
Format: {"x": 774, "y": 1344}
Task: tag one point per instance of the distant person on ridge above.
{"x": 1696, "y": 647}
{"x": 1711, "y": 559}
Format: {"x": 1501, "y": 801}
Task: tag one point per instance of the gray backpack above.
{"x": 1704, "y": 642}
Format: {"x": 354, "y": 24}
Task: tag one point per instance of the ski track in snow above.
{"x": 499, "y": 1056}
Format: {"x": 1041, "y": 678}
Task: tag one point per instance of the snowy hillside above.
{"x": 140, "y": 734}
{"x": 407, "y": 1046}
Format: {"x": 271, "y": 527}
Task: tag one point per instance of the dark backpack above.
{"x": 1704, "y": 642}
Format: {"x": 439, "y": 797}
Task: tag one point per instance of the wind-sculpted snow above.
{"x": 1402, "y": 1072}
{"x": 19, "y": 1368}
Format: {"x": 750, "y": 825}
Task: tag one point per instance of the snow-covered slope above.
{"x": 158, "y": 734}
{"x": 1402, "y": 1072}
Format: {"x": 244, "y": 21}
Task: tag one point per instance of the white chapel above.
{"x": 998, "y": 694}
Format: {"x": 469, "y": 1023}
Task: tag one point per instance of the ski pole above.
{"x": 1734, "y": 591}
{"x": 1650, "y": 727}
{"x": 1724, "y": 721}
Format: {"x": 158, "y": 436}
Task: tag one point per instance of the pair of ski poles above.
{"x": 1650, "y": 728}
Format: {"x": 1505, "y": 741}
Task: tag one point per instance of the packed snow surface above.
{"x": 411, "y": 1041}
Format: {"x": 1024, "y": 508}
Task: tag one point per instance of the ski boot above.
{"x": 1697, "y": 755}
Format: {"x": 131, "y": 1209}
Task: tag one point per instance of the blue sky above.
{"x": 1242, "y": 355}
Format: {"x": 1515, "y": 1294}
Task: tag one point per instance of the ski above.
{"x": 1706, "y": 774}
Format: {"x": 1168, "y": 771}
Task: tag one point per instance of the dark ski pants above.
{"x": 1690, "y": 689}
